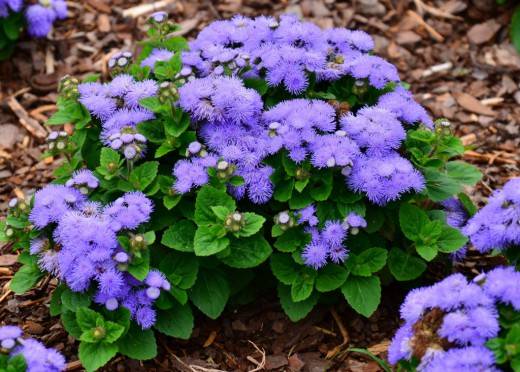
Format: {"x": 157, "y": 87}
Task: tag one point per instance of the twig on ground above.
{"x": 344, "y": 333}
{"x": 433, "y": 33}
{"x": 259, "y": 365}
{"x": 422, "y": 7}
{"x": 27, "y": 122}
{"x": 143, "y": 9}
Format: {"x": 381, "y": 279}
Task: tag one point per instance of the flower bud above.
{"x": 285, "y": 220}
{"x": 99, "y": 333}
{"x": 234, "y": 222}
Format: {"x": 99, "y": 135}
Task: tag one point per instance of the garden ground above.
{"x": 455, "y": 55}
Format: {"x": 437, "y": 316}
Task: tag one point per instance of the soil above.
{"x": 456, "y": 56}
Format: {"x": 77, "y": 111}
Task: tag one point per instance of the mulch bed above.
{"x": 454, "y": 53}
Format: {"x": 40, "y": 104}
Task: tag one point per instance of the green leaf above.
{"x": 463, "y": 172}
{"x": 140, "y": 267}
{"x": 144, "y": 174}
{"x": 209, "y": 240}
{"x": 109, "y": 158}
{"x": 68, "y": 319}
{"x": 181, "y": 269}
{"x": 295, "y": 310}
{"x": 283, "y": 190}
{"x": 180, "y": 236}
{"x": 430, "y": 231}
{"x": 514, "y": 30}
{"x": 253, "y": 224}
{"x": 176, "y": 322}
{"x": 362, "y": 293}
{"x": 25, "y": 279}
{"x": 163, "y": 149}
{"x": 451, "y": 239}
{"x": 221, "y": 212}
{"x": 138, "y": 343}
{"x": 468, "y": 204}
{"x": 369, "y": 261}
{"x": 427, "y": 251}
{"x": 284, "y": 268}
{"x": 331, "y": 277}
{"x": 303, "y": 285}
{"x": 87, "y": 318}
{"x": 74, "y": 300}
{"x": 321, "y": 185}
{"x": 95, "y": 356}
{"x": 404, "y": 266}
{"x": 55, "y": 303}
{"x": 497, "y": 346}
{"x": 412, "y": 219}
{"x": 16, "y": 363}
{"x": 210, "y": 293}
{"x": 291, "y": 240}
{"x": 208, "y": 197}
{"x": 247, "y": 252}
{"x": 260, "y": 85}
{"x": 113, "y": 331}
{"x": 440, "y": 186}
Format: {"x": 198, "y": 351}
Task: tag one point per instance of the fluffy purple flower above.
{"x": 52, "y": 202}
{"x": 220, "y": 99}
{"x": 37, "y": 357}
{"x": 455, "y": 318}
{"x": 333, "y": 150}
{"x": 384, "y": 178}
{"x": 7, "y": 6}
{"x": 129, "y": 211}
{"x": 502, "y": 284}
{"x": 333, "y": 233}
{"x": 315, "y": 254}
{"x": 374, "y": 129}
{"x": 157, "y": 55}
{"x": 402, "y": 104}
{"x": 467, "y": 359}
{"x": 378, "y": 71}
{"x": 40, "y": 17}
{"x": 497, "y": 225}
{"x": 83, "y": 180}
{"x": 308, "y": 215}
{"x": 192, "y": 173}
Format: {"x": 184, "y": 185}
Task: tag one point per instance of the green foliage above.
{"x": 10, "y": 30}
{"x": 506, "y": 346}
{"x": 215, "y": 250}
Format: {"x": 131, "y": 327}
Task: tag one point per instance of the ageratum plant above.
{"x": 37, "y": 17}
{"x": 461, "y": 325}
{"x": 26, "y": 355}
{"x": 265, "y": 155}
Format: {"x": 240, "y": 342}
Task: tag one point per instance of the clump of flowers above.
{"x": 497, "y": 225}
{"x": 39, "y": 18}
{"x": 22, "y": 354}
{"x": 263, "y": 142}
{"x": 85, "y": 252}
{"x": 449, "y": 325}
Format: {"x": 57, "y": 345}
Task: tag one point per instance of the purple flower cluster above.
{"x": 284, "y": 52}
{"x": 83, "y": 180}
{"x": 116, "y": 105}
{"x": 327, "y": 243}
{"x": 39, "y": 17}
{"x": 235, "y": 126}
{"x": 89, "y": 253}
{"x": 447, "y": 325}
{"x": 230, "y": 127}
{"x": 7, "y": 6}
{"x": 37, "y": 357}
{"x": 497, "y": 225}
{"x": 157, "y": 55}
{"x": 384, "y": 178}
